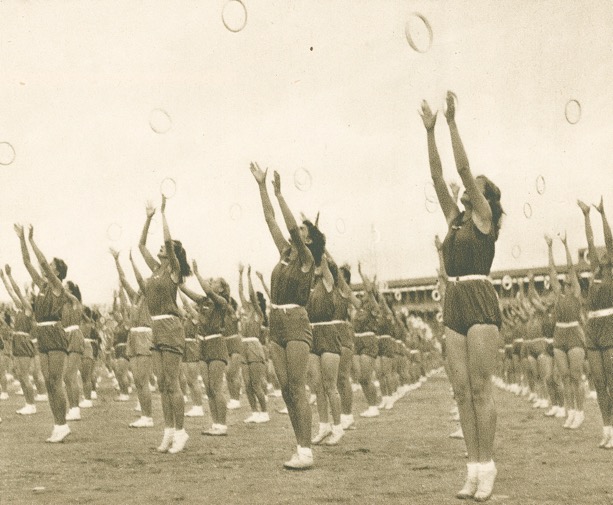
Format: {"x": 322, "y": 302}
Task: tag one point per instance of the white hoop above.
{"x": 431, "y": 206}
{"x": 160, "y": 121}
{"x": 436, "y": 295}
{"x": 516, "y": 251}
{"x": 568, "y": 112}
{"x": 507, "y": 282}
{"x": 527, "y": 210}
{"x": 546, "y": 282}
{"x": 7, "y": 153}
{"x": 302, "y": 179}
{"x": 168, "y": 187}
{"x": 540, "y": 185}
{"x": 340, "y": 226}
{"x": 407, "y": 31}
{"x": 439, "y": 317}
{"x": 397, "y": 295}
{"x": 226, "y": 24}
{"x": 430, "y": 192}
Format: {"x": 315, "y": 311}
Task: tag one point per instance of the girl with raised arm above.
{"x": 23, "y": 347}
{"x": 254, "y": 357}
{"x": 290, "y": 330}
{"x": 471, "y": 312}
{"x": 599, "y": 331}
{"x": 48, "y": 330}
{"x": 568, "y": 337}
{"x": 160, "y": 291}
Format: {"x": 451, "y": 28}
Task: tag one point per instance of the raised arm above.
{"x": 206, "y": 287}
{"x": 175, "y": 267}
{"x": 252, "y": 296}
{"x": 553, "y": 274}
{"x": 56, "y": 283}
{"x": 9, "y": 290}
{"x": 306, "y": 258}
{"x": 192, "y": 295}
{"x": 191, "y": 311}
{"x": 441, "y": 272}
{"x": 25, "y": 254}
{"x": 608, "y": 237}
{"x": 574, "y": 280}
{"x": 327, "y": 277}
{"x": 482, "y": 212}
{"x": 152, "y": 263}
{"x": 346, "y": 291}
{"x": 446, "y": 201}
{"x": 589, "y": 235}
{"x": 269, "y": 212}
{"x": 263, "y": 283}
{"x": 241, "y": 294}
{"x": 132, "y": 294}
{"x": 369, "y": 288}
{"x": 139, "y": 278}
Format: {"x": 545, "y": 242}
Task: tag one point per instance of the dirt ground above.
{"x": 404, "y": 456}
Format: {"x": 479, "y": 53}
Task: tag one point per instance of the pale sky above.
{"x": 79, "y": 81}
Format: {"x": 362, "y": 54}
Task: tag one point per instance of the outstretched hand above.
{"x": 427, "y": 116}
{"x": 600, "y": 206}
{"x": 258, "y": 173}
{"x": 150, "y": 209}
{"x": 114, "y": 253}
{"x": 276, "y": 183}
{"x": 18, "y": 230}
{"x": 450, "y": 111}
{"x": 584, "y": 207}
{"x": 548, "y": 240}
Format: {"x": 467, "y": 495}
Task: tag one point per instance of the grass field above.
{"x": 404, "y": 456}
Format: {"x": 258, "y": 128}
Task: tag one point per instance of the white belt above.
{"x": 519, "y": 340}
{"x": 90, "y": 340}
{"x": 365, "y": 334}
{"x": 21, "y": 333}
{"x": 71, "y": 328}
{"x": 549, "y": 340}
{"x": 209, "y": 337}
{"x": 600, "y": 313}
{"x": 233, "y": 336}
{"x": 34, "y": 340}
{"x": 251, "y": 339}
{"x": 286, "y": 307}
{"x": 141, "y": 329}
{"x": 384, "y": 336}
{"x": 414, "y": 351}
{"x": 323, "y": 323}
{"x": 571, "y": 324}
{"x": 162, "y": 316}
{"x": 47, "y": 323}
{"x": 191, "y": 339}
{"x": 120, "y": 345}
{"x": 475, "y": 277}
{"x": 508, "y": 346}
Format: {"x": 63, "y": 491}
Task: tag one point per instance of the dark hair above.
{"x": 87, "y": 311}
{"x": 74, "y": 290}
{"x": 181, "y": 256}
{"x": 333, "y": 270}
{"x": 318, "y": 241}
{"x": 492, "y": 195}
{"x": 61, "y": 267}
{"x": 233, "y": 304}
{"x": 7, "y": 318}
{"x": 346, "y": 271}
{"x": 262, "y": 304}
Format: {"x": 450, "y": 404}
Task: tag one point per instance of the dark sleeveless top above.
{"x": 364, "y": 320}
{"x": 466, "y": 250}
{"x": 288, "y": 283}
{"x": 600, "y": 295}
{"x": 212, "y": 317}
{"x": 230, "y": 325}
{"x": 161, "y": 295}
{"x": 567, "y": 308}
{"x": 70, "y": 315}
{"x": 48, "y": 307}
{"x": 22, "y": 322}
{"x": 341, "y": 306}
{"x": 139, "y": 314}
{"x": 320, "y": 306}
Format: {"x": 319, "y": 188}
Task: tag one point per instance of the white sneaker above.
{"x": 543, "y": 404}
{"x": 606, "y": 436}
{"x": 301, "y": 460}
{"x": 137, "y": 407}
{"x": 372, "y": 411}
{"x": 142, "y": 422}
{"x": 324, "y": 431}
{"x": 59, "y": 434}
{"x": 487, "y": 476}
{"x": 123, "y": 398}
{"x": 166, "y": 440}
{"x": 277, "y": 393}
{"x": 391, "y": 400}
{"x": 313, "y": 399}
{"x": 384, "y": 400}
{"x": 471, "y": 483}
{"x": 233, "y": 404}
{"x": 455, "y": 417}
{"x": 252, "y": 419}
{"x": 151, "y": 388}
{"x": 458, "y": 434}
{"x": 347, "y": 422}
{"x": 19, "y": 392}
{"x": 217, "y": 430}
{"x": 94, "y": 395}
{"x": 552, "y": 411}
{"x": 570, "y": 419}
{"x": 262, "y": 417}
{"x": 454, "y": 410}
{"x": 578, "y": 420}
{"x": 27, "y": 410}
{"x": 74, "y": 414}
{"x": 355, "y": 387}
{"x": 86, "y": 404}
{"x": 195, "y": 411}
{"x": 178, "y": 441}
{"x": 592, "y": 395}
{"x": 4, "y": 395}
{"x": 532, "y": 397}
{"x": 337, "y": 434}
{"x": 41, "y": 398}
{"x": 282, "y": 411}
